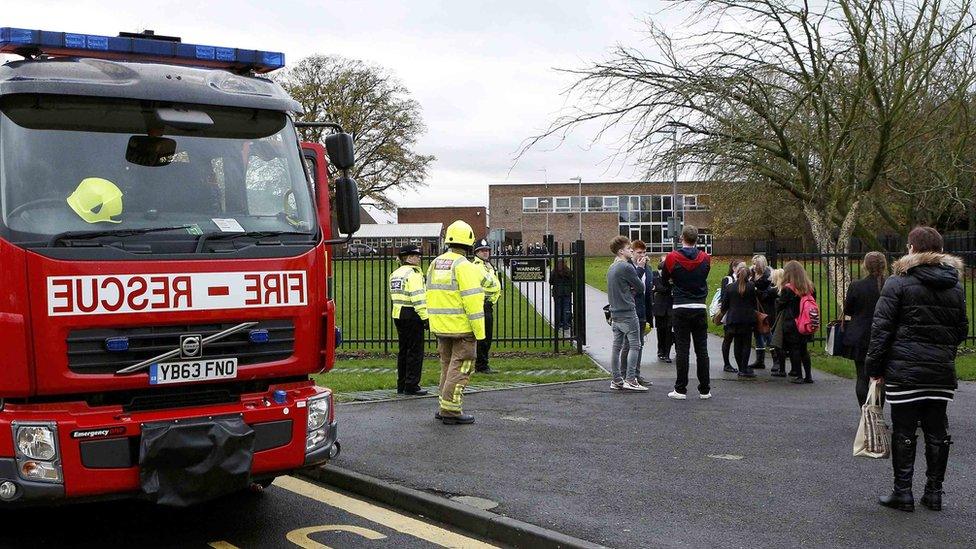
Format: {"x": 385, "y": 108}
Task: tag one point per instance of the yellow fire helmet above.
{"x": 96, "y": 200}
{"x": 460, "y": 233}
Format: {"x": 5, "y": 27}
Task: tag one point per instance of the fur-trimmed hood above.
{"x": 931, "y": 268}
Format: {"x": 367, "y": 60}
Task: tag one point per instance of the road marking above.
{"x": 368, "y": 511}
{"x": 300, "y": 536}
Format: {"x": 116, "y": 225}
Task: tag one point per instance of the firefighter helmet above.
{"x": 96, "y": 200}
{"x": 459, "y": 233}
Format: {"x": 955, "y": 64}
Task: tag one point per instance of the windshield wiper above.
{"x": 86, "y": 235}
{"x": 252, "y": 234}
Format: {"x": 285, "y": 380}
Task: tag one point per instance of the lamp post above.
{"x": 579, "y": 196}
{"x": 675, "y": 225}
{"x": 546, "y": 175}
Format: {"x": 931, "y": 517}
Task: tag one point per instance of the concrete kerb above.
{"x": 481, "y": 523}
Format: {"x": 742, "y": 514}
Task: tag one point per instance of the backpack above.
{"x": 808, "y": 321}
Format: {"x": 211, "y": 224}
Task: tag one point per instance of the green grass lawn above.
{"x": 965, "y": 364}
{"x": 510, "y": 369}
{"x": 363, "y": 311}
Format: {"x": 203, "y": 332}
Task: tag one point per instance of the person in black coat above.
{"x": 561, "y": 280}
{"x": 862, "y": 296}
{"x": 739, "y": 308}
{"x": 661, "y": 303}
{"x": 919, "y": 322}
{"x": 796, "y": 285}
{"x": 766, "y": 297}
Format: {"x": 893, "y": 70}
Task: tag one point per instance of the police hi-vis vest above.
{"x": 490, "y": 283}
{"x": 407, "y": 290}
{"x": 455, "y": 299}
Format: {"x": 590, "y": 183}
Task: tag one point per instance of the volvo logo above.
{"x": 191, "y": 346}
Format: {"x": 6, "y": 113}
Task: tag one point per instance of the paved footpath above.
{"x": 764, "y": 463}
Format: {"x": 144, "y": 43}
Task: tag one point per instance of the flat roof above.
{"x": 400, "y": 230}
{"x": 585, "y": 183}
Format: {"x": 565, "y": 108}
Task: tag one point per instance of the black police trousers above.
{"x": 481, "y": 360}
{"x": 410, "y": 359}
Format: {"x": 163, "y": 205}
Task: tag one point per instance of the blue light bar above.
{"x": 14, "y": 40}
{"x": 258, "y": 336}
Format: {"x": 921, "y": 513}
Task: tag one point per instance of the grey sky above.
{"x": 482, "y": 71}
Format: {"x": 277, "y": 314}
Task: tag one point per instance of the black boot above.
{"x": 936, "y": 459}
{"x": 760, "y": 363}
{"x": 903, "y": 464}
{"x": 779, "y": 364}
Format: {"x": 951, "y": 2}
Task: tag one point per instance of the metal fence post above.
{"x": 579, "y": 300}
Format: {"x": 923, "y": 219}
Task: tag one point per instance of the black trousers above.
{"x": 727, "y": 339}
{"x": 742, "y": 340}
{"x": 931, "y": 414}
{"x": 481, "y": 360}
{"x": 863, "y": 381}
{"x": 691, "y": 324}
{"x": 799, "y": 356}
{"x": 410, "y": 359}
{"x": 664, "y": 336}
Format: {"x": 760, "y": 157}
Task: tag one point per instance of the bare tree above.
{"x": 816, "y": 100}
{"x": 372, "y": 105}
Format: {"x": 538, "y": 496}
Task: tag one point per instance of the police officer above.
{"x": 456, "y": 305}
{"x": 493, "y": 290}
{"x": 409, "y": 295}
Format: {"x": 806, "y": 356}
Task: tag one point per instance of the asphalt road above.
{"x": 292, "y": 513}
{"x": 762, "y": 464}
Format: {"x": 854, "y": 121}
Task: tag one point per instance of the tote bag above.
{"x": 835, "y": 339}
{"x": 873, "y": 439}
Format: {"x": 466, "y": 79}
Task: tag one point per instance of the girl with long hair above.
{"x": 739, "y": 308}
{"x": 727, "y": 338}
{"x": 796, "y": 284}
{"x": 862, "y": 298}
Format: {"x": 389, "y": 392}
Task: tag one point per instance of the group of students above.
{"x": 672, "y": 298}
{"x": 765, "y": 303}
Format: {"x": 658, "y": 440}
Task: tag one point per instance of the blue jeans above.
{"x": 626, "y": 331}
{"x": 763, "y": 340}
{"x": 564, "y": 311}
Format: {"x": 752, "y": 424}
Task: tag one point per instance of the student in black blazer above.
{"x": 739, "y": 308}
{"x": 862, "y": 297}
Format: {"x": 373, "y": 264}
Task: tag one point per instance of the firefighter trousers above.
{"x": 457, "y": 361}
{"x": 410, "y": 358}
{"x": 484, "y": 345}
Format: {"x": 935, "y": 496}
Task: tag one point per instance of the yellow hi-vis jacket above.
{"x": 407, "y": 290}
{"x": 455, "y": 299}
{"x": 490, "y": 283}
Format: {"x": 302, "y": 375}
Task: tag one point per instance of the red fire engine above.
{"x": 165, "y": 251}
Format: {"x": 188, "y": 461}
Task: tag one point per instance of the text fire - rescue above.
{"x": 153, "y": 293}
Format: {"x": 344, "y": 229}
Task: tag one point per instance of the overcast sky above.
{"x": 483, "y": 72}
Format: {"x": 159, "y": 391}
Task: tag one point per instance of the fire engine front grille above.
{"x": 88, "y": 349}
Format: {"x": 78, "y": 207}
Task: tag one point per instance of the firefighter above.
{"x": 493, "y": 290}
{"x": 456, "y": 305}
{"x": 409, "y": 295}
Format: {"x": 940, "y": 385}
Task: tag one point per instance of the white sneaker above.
{"x": 633, "y": 386}
{"x": 705, "y": 396}
{"x": 616, "y": 385}
{"x": 677, "y": 396}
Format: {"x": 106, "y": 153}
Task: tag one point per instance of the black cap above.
{"x": 481, "y": 245}
{"x": 409, "y": 249}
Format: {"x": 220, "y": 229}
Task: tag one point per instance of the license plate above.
{"x": 192, "y": 370}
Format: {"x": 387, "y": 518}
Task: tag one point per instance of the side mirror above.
{"x": 347, "y": 204}
{"x": 342, "y": 155}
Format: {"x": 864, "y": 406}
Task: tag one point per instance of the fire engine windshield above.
{"x": 66, "y": 165}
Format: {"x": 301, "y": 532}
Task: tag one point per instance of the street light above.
{"x": 675, "y": 225}
{"x": 546, "y": 172}
{"x": 579, "y": 197}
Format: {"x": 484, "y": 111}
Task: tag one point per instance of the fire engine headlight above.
{"x": 37, "y": 442}
{"x": 318, "y": 412}
{"x": 40, "y": 470}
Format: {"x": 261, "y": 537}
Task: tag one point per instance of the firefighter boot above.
{"x": 936, "y": 459}
{"x": 903, "y": 464}
{"x": 462, "y": 419}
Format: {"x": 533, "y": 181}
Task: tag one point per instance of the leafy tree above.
{"x": 368, "y": 102}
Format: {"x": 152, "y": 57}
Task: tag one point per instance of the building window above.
{"x": 545, "y": 204}
{"x": 610, "y": 203}
{"x": 576, "y": 203}
{"x": 530, "y": 204}
{"x": 562, "y": 204}
{"x": 594, "y": 203}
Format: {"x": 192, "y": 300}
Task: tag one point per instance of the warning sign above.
{"x": 154, "y": 293}
{"x": 528, "y": 270}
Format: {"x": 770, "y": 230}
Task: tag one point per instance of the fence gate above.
{"x": 541, "y": 308}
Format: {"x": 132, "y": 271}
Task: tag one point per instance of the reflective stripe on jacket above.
{"x": 407, "y": 290}
{"x": 455, "y": 298}
{"x": 490, "y": 283}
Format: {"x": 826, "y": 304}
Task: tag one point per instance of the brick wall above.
{"x": 476, "y": 216}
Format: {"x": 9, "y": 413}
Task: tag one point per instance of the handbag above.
{"x": 873, "y": 438}
{"x": 835, "y": 339}
{"x": 762, "y": 320}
